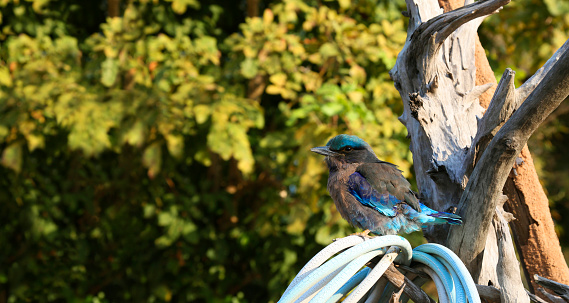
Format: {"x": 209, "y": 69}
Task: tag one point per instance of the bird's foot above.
{"x": 451, "y": 210}
{"x": 364, "y": 234}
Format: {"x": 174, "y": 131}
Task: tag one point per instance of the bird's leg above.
{"x": 363, "y": 234}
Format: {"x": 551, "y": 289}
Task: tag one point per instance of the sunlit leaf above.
{"x": 152, "y": 159}
{"x": 12, "y": 157}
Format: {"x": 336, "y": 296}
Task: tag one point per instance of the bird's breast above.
{"x": 338, "y": 189}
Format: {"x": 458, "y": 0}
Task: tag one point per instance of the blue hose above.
{"x": 456, "y": 264}
{"x": 351, "y": 284}
{"x": 441, "y": 271}
{"x": 329, "y": 280}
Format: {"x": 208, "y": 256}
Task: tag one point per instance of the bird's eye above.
{"x": 347, "y": 148}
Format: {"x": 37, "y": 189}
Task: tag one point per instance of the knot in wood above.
{"x": 415, "y": 103}
{"x": 511, "y": 144}
{"x": 433, "y": 85}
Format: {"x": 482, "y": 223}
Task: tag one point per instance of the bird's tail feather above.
{"x": 447, "y": 217}
{"x": 431, "y": 216}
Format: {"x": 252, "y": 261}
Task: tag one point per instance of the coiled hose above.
{"x": 345, "y": 276}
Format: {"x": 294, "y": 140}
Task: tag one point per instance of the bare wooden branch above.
{"x": 535, "y": 298}
{"x": 445, "y": 24}
{"x": 487, "y": 180}
{"x": 501, "y": 108}
{"x": 435, "y": 75}
{"x": 400, "y": 281}
{"x": 533, "y": 228}
{"x": 396, "y": 296}
{"x": 419, "y": 13}
{"x": 489, "y": 294}
{"x": 560, "y": 289}
{"x": 508, "y": 268}
{"x": 429, "y": 36}
{"x": 551, "y": 297}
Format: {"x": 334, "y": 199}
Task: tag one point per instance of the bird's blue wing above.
{"x": 385, "y": 178}
{"x": 362, "y": 190}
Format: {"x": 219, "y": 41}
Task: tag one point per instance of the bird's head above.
{"x": 347, "y": 149}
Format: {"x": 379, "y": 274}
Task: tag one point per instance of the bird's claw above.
{"x": 364, "y": 234}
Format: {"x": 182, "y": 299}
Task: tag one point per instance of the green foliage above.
{"x": 157, "y": 156}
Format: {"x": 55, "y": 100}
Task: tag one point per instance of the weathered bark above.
{"x": 492, "y": 253}
{"x": 403, "y": 283}
{"x": 559, "y": 289}
{"x": 508, "y": 265}
{"x": 489, "y": 176}
{"x": 488, "y": 294}
{"x": 536, "y": 240}
{"x": 533, "y": 231}
{"x": 436, "y": 77}
{"x": 535, "y": 298}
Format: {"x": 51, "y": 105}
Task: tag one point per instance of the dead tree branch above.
{"x": 400, "y": 281}
{"x": 436, "y": 79}
{"x": 435, "y": 74}
{"x": 560, "y": 289}
{"x": 501, "y": 108}
{"x": 479, "y": 200}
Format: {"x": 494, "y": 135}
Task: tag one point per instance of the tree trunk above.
{"x": 113, "y": 8}
{"x": 457, "y": 153}
{"x": 533, "y": 231}
{"x": 536, "y": 240}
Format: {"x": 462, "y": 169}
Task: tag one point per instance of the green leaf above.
{"x": 328, "y": 50}
{"x": 180, "y": 6}
{"x": 249, "y": 68}
{"x": 278, "y": 79}
{"x": 557, "y": 8}
{"x": 12, "y": 157}
{"x": 152, "y": 159}
{"x": 109, "y": 72}
{"x": 5, "y": 78}
{"x": 344, "y": 4}
{"x": 135, "y": 136}
{"x": 175, "y": 144}
{"x": 332, "y": 109}
{"x": 201, "y": 113}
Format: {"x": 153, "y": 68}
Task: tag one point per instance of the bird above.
{"x": 372, "y": 194}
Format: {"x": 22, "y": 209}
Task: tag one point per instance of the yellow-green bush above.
{"x": 159, "y": 156}
{"x": 163, "y": 155}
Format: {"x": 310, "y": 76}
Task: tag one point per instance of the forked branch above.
{"x": 501, "y": 107}
{"x": 434, "y": 32}
{"x": 479, "y": 200}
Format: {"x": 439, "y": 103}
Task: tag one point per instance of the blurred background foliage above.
{"x": 159, "y": 150}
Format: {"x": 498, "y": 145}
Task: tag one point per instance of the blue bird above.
{"x": 372, "y": 194}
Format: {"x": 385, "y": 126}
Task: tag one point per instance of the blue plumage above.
{"x": 341, "y": 141}
{"x": 403, "y": 216}
{"x": 372, "y": 194}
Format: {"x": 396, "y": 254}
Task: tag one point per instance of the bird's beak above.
{"x": 324, "y": 150}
